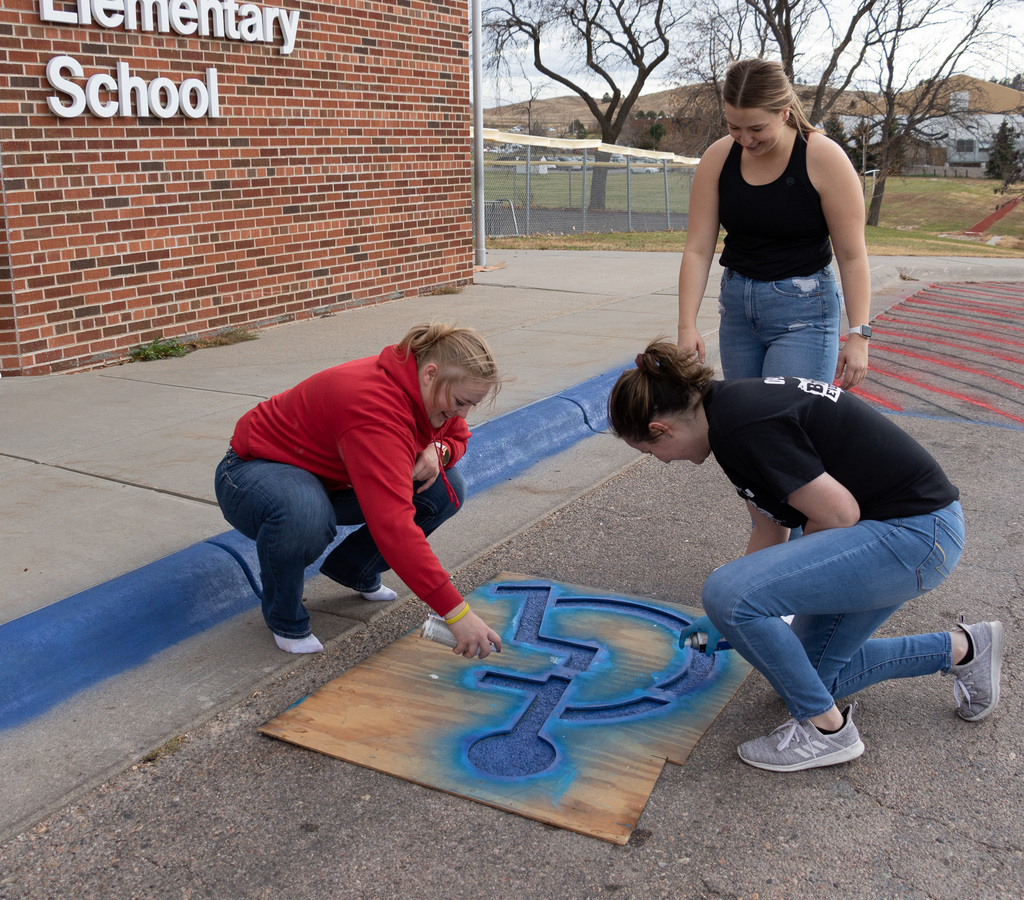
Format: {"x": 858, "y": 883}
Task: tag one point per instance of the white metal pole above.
{"x": 478, "y": 137}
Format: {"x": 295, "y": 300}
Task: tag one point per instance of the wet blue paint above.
{"x": 536, "y": 600}
{"x": 523, "y": 746}
{"x": 524, "y": 749}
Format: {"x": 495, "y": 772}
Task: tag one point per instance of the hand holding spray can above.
{"x": 434, "y": 629}
{"x": 699, "y": 641}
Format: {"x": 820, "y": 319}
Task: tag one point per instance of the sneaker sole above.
{"x": 997, "y": 668}
{"x": 832, "y": 759}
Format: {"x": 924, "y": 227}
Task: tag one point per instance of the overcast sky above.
{"x": 1003, "y": 61}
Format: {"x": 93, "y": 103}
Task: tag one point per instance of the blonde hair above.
{"x": 458, "y": 353}
{"x": 763, "y": 84}
{"x": 665, "y": 382}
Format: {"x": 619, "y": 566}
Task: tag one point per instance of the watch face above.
{"x": 863, "y": 330}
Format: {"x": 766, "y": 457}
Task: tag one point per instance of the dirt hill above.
{"x": 560, "y": 112}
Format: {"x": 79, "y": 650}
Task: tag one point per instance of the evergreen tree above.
{"x": 657, "y": 132}
{"x": 833, "y": 127}
{"x": 1003, "y": 155}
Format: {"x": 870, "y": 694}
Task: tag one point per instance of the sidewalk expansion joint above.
{"x": 126, "y": 483}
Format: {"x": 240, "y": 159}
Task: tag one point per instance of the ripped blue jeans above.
{"x": 840, "y": 585}
{"x": 788, "y": 327}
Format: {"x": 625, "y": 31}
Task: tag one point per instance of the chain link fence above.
{"x": 558, "y": 186}
{"x": 946, "y": 171}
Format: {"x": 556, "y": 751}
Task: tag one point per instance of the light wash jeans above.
{"x": 293, "y": 518}
{"x": 840, "y": 585}
{"x": 788, "y": 327}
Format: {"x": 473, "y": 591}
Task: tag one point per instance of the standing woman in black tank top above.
{"x": 787, "y": 196}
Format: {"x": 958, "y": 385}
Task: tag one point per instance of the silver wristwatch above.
{"x": 862, "y": 330}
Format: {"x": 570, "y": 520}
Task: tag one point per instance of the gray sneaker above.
{"x": 976, "y": 683}
{"x": 799, "y": 745}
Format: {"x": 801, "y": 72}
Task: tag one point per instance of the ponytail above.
{"x": 457, "y": 352}
{"x": 664, "y": 382}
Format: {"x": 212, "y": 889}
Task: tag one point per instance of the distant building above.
{"x": 962, "y": 137}
{"x": 985, "y": 106}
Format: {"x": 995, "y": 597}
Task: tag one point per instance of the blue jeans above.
{"x": 293, "y": 518}
{"x": 840, "y": 585}
{"x": 788, "y": 327}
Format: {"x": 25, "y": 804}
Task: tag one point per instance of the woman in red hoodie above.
{"x": 371, "y": 442}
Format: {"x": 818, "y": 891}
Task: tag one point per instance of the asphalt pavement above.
{"x": 130, "y": 764}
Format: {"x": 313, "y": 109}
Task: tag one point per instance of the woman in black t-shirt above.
{"x": 881, "y": 524}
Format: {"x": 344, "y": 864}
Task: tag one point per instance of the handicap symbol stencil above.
{"x": 526, "y": 747}
{"x": 571, "y": 724}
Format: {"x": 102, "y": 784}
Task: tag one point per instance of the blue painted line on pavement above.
{"x": 53, "y": 653}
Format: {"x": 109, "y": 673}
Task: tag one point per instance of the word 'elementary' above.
{"x": 207, "y": 18}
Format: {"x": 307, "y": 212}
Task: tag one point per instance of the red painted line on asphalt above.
{"x": 874, "y": 398}
{"x": 983, "y": 336}
{"x": 1010, "y": 293}
{"x": 923, "y": 299}
{"x": 978, "y": 288}
{"x": 993, "y": 289}
{"x": 970, "y": 292}
{"x": 937, "y": 361}
{"x": 1017, "y": 360}
{"x": 997, "y": 325}
{"x": 952, "y": 394}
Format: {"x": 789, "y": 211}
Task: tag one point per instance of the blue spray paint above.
{"x": 525, "y": 748}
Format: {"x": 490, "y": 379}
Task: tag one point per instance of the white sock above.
{"x": 307, "y": 644}
{"x": 383, "y": 593}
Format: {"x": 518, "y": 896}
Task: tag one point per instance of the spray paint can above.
{"x": 699, "y": 641}
{"x": 435, "y": 629}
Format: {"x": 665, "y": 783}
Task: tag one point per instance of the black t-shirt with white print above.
{"x": 772, "y": 436}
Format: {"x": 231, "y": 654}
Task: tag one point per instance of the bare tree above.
{"x": 719, "y": 32}
{"x": 579, "y": 42}
{"x": 914, "y": 95}
{"x": 786, "y": 21}
{"x": 533, "y": 126}
{"x": 800, "y": 28}
{"x": 821, "y": 45}
{"x": 516, "y": 71}
{"x": 698, "y": 119}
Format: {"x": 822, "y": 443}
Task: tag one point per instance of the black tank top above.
{"x": 775, "y": 230}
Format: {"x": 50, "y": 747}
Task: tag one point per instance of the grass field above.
{"x": 562, "y": 186}
{"x": 921, "y": 216}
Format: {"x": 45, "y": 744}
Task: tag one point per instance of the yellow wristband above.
{"x": 454, "y": 619}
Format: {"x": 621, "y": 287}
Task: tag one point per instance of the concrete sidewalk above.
{"x": 106, "y": 473}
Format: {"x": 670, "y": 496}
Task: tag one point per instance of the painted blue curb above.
{"x": 592, "y": 398}
{"x": 53, "y": 653}
{"x": 510, "y": 444}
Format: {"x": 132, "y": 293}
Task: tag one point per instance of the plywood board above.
{"x": 570, "y": 724}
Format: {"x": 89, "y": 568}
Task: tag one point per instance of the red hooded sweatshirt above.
{"x": 361, "y": 425}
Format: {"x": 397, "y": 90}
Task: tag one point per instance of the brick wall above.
{"x": 336, "y": 176}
